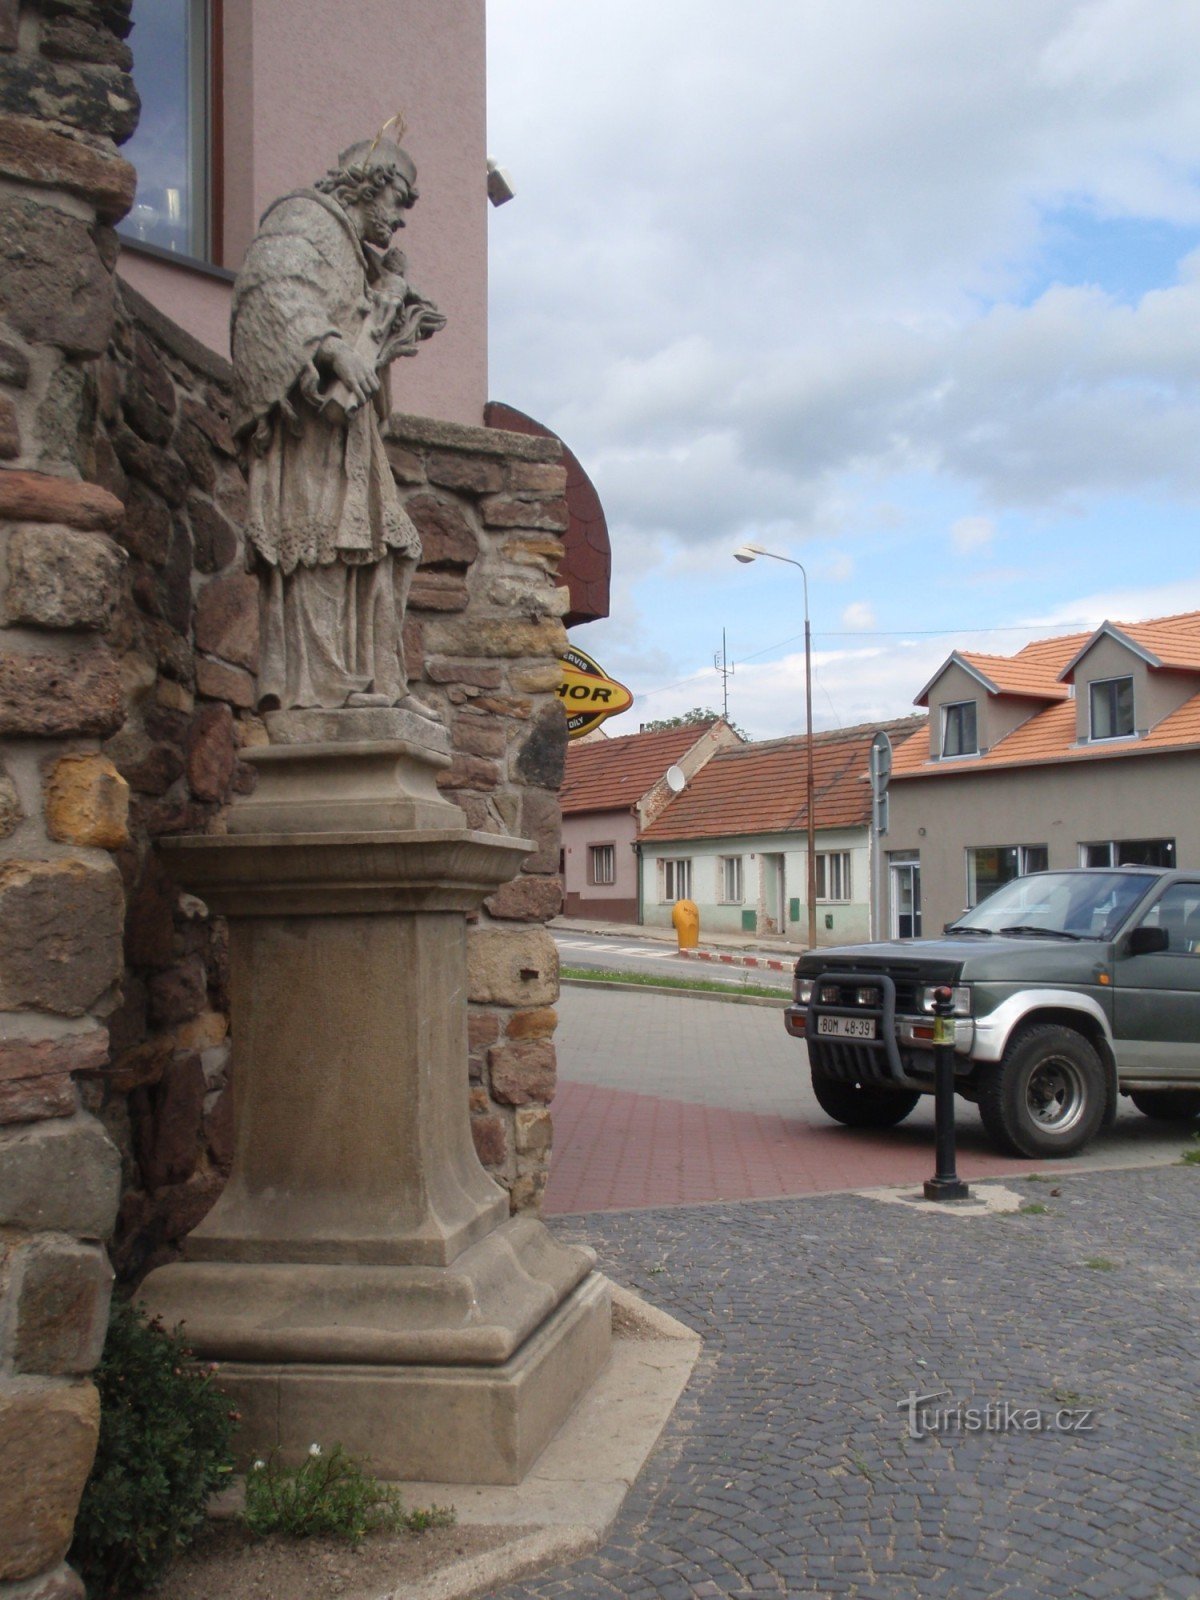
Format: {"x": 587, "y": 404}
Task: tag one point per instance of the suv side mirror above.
{"x": 1146, "y": 941}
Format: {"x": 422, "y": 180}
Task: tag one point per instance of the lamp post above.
{"x": 748, "y": 553}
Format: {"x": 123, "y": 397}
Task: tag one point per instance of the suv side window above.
{"x": 1178, "y": 912}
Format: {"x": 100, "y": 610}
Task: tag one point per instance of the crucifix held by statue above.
{"x": 321, "y": 307}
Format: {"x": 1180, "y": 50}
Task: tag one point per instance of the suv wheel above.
{"x": 1168, "y": 1105}
{"x": 862, "y": 1105}
{"x": 1047, "y": 1096}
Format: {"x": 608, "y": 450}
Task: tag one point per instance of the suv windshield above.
{"x": 1069, "y": 905}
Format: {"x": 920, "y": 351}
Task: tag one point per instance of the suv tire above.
{"x": 1048, "y": 1095}
{"x": 862, "y": 1105}
{"x": 1168, "y": 1105}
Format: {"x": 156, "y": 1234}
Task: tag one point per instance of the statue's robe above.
{"x": 333, "y": 546}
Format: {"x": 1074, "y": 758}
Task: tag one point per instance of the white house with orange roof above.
{"x": 1080, "y": 750}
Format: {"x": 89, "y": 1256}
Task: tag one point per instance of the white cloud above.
{"x": 858, "y": 616}
{"x": 969, "y": 535}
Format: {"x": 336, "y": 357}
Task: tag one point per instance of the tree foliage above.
{"x": 688, "y": 718}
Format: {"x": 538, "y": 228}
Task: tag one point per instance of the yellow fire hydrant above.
{"x": 685, "y": 918}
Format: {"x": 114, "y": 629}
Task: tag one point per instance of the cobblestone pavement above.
{"x": 786, "y": 1469}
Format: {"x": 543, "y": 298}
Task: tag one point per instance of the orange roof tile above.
{"x": 1171, "y": 643}
{"x": 760, "y": 788}
{"x": 614, "y": 774}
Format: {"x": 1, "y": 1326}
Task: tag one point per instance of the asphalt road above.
{"x": 598, "y": 951}
{"x": 669, "y": 1100}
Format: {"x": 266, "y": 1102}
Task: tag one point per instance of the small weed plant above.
{"x": 1191, "y": 1157}
{"x": 163, "y": 1449}
{"x": 1100, "y": 1264}
{"x": 1035, "y": 1208}
{"x": 329, "y": 1494}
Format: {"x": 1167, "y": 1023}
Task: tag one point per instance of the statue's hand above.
{"x": 358, "y": 376}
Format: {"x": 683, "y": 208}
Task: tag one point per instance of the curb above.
{"x": 731, "y": 996}
{"x": 728, "y": 959}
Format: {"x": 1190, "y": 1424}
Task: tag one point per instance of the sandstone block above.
{"x": 473, "y": 673}
{"x": 505, "y": 706}
{"x": 438, "y": 591}
{"x": 145, "y": 528}
{"x": 150, "y": 924}
{"x": 182, "y": 1206}
{"x": 36, "y": 1055}
{"x": 483, "y": 1028}
{"x": 469, "y": 772}
{"x": 219, "y": 1129}
{"x": 54, "y": 288}
{"x": 472, "y": 474}
{"x": 47, "y": 1441}
{"x": 10, "y": 430}
{"x": 533, "y": 1130}
{"x": 14, "y": 363}
{"x": 213, "y": 535}
{"x": 37, "y": 497}
{"x": 478, "y": 736}
{"x": 59, "y": 577}
{"x": 541, "y": 821}
{"x": 152, "y": 378}
{"x": 55, "y": 696}
{"x": 62, "y": 1308}
{"x": 527, "y": 900}
{"x": 537, "y": 1024}
{"x": 212, "y": 425}
{"x": 543, "y": 755}
{"x": 545, "y": 554}
{"x": 138, "y": 1066}
{"x": 217, "y": 680}
{"x": 512, "y": 968}
{"x": 33, "y": 1099}
{"x": 60, "y": 934}
{"x": 197, "y": 456}
{"x": 227, "y": 619}
{"x": 145, "y": 416}
{"x": 524, "y": 1072}
{"x": 527, "y": 1191}
{"x": 447, "y": 538}
{"x": 205, "y": 1031}
{"x": 96, "y": 99}
{"x": 169, "y": 1118}
{"x": 211, "y": 752}
{"x": 509, "y": 511}
{"x": 178, "y": 993}
{"x": 87, "y": 802}
{"x": 61, "y": 1177}
{"x": 490, "y": 1133}
{"x": 407, "y": 466}
{"x": 34, "y": 153}
{"x": 537, "y": 477}
{"x": 154, "y": 464}
{"x": 11, "y": 813}
{"x": 77, "y": 39}
{"x": 536, "y": 678}
{"x": 498, "y": 636}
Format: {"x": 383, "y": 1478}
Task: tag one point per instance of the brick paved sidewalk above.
{"x": 786, "y": 1469}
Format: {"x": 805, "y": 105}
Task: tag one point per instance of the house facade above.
{"x": 1081, "y": 750}
{"x": 735, "y": 840}
{"x": 612, "y": 788}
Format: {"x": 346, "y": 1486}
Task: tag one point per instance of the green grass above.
{"x": 1034, "y": 1209}
{"x": 651, "y": 980}
{"x": 1100, "y": 1264}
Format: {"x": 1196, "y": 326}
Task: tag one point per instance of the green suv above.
{"x": 1069, "y": 988}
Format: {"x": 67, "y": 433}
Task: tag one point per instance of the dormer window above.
{"x": 959, "y": 732}
{"x": 1111, "y": 701}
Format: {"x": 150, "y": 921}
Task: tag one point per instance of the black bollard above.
{"x": 945, "y": 1183}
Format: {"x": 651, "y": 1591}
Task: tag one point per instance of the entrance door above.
{"x": 1156, "y": 997}
{"x": 906, "y": 899}
{"x": 774, "y": 888}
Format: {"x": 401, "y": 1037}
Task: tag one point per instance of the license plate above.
{"x": 847, "y": 1027}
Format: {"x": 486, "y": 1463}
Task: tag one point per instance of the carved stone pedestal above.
{"x": 360, "y": 1279}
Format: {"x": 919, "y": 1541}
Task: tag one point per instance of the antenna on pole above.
{"x": 721, "y": 662}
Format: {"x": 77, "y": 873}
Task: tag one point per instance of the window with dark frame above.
{"x": 732, "y": 887}
{"x": 990, "y": 866}
{"x": 960, "y": 735}
{"x": 1128, "y": 853}
{"x": 1110, "y": 701}
{"x": 171, "y": 146}
{"x": 833, "y": 875}
{"x": 677, "y": 878}
{"x": 602, "y": 863}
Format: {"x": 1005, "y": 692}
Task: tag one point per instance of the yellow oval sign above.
{"x": 588, "y": 694}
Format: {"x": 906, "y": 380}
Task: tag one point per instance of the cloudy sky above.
{"x": 907, "y": 292}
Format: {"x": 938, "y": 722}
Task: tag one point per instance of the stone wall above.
{"x": 65, "y": 102}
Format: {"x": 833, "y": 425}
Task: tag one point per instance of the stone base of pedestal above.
{"x": 441, "y": 1424}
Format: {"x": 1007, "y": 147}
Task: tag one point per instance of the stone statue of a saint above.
{"x": 320, "y": 307}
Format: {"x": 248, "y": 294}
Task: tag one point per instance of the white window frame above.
{"x": 607, "y": 852}
{"x": 675, "y": 878}
{"x": 1113, "y": 685}
{"x": 959, "y": 705}
{"x": 834, "y": 881}
{"x": 1113, "y": 846}
{"x": 731, "y": 880}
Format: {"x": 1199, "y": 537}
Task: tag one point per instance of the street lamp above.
{"x": 751, "y": 552}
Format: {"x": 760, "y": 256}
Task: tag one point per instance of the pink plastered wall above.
{"x": 303, "y": 79}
